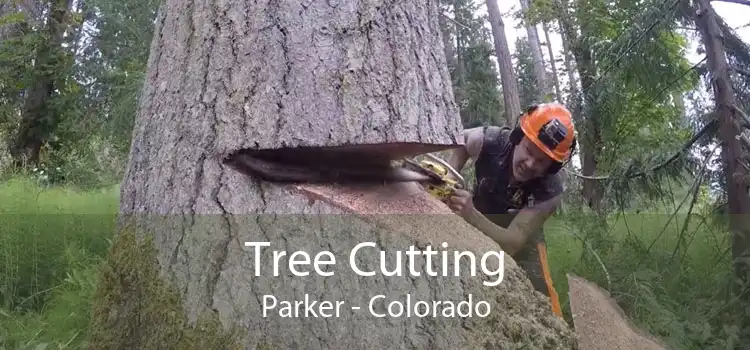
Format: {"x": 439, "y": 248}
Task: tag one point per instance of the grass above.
{"x": 51, "y": 240}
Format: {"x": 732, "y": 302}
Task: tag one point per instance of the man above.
{"x": 514, "y": 166}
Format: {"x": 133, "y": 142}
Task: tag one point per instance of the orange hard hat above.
{"x": 550, "y": 127}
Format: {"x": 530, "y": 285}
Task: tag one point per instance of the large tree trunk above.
{"x": 732, "y": 154}
{"x": 295, "y": 74}
{"x": 536, "y": 54}
{"x": 508, "y": 79}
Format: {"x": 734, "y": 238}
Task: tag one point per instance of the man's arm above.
{"x": 473, "y": 139}
{"x": 526, "y": 222}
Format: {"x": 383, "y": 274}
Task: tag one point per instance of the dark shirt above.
{"x": 494, "y": 195}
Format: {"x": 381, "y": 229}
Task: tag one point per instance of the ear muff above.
{"x": 556, "y": 166}
{"x": 516, "y": 135}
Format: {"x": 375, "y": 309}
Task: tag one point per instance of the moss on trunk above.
{"x": 136, "y": 308}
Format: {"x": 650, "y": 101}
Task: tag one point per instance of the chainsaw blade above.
{"x": 412, "y": 165}
{"x": 275, "y": 170}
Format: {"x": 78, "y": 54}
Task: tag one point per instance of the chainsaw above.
{"x": 442, "y": 185}
{"x": 339, "y": 165}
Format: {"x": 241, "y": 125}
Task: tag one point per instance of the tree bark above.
{"x": 569, "y": 67}
{"x": 508, "y": 79}
{"x": 553, "y": 64}
{"x": 536, "y": 54}
{"x": 732, "y": 154}
{"x": 295, "y": 74}
{"x": 589, "y": 134}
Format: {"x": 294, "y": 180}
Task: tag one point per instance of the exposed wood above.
{"x": 600, "y": 323}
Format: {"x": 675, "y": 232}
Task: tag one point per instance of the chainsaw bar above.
{"x": 322, "y": 168}
{"x": 412, "y": 165}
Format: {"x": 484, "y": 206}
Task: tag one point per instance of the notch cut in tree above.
{"x": 234, "y": 77}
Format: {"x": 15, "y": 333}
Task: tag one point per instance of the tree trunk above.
{"x": 180, "y": 274}
{"x": 732, "y": 153}
{"x": 38, "y": 117}
{"x": 508, "y": 79}
{"x": 447, "y": 42}
{"x": 553, "y": 64}
{"x": 568, "y": 60}
{"x": 460, "y": 70}
{"x": 536, "y": 55}
{"x": 589, "y": 134}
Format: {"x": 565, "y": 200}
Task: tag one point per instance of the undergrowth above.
{"x": 53, "y": 239}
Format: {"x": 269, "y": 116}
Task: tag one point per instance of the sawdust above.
{"x": 395, "y": 205}
{"x": 394, "y": 198}
{"x": 600, "y": 323}
{"x": 523, "y": 317}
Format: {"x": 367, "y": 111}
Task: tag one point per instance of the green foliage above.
{"x": 668, "y": 274}
{"x": 16, "y": 71}
{"x": 38, "y": 228}
{"x": 482, "y": 99}
{"x": 475, "y": 78}
{"x": 528, "y": 87}
{"x": 116, "y": 63}
{"x": 52, "y": 241}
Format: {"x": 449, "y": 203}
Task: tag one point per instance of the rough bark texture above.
{"x": 511, "y": 99}
{"x": 313, "y": 74}
{"x": 601, "y": 324}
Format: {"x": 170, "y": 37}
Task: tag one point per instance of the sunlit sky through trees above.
{"x": 737, "y": 17}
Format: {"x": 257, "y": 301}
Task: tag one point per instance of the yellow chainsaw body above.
{"x": 444, "y": 190}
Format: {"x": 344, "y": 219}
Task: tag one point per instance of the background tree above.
{"x": 502, "y": 53}
{"x": 528, "y": 86}
{"x": 469, "y": 54}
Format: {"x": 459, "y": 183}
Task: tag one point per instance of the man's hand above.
{"x": 461, "y": 202}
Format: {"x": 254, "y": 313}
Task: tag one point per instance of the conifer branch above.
{"x": 706, "y": 128}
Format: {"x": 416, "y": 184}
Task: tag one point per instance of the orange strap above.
{"x": 548, "y": 280}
